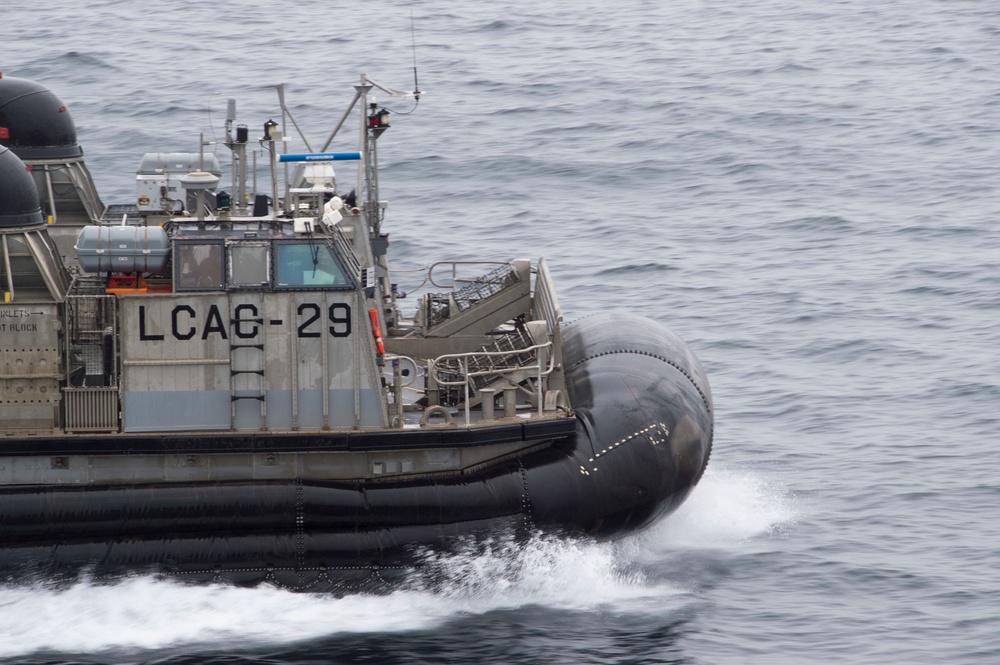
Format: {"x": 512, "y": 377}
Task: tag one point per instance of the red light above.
{"x": 4, "y": 133}
{"x": 27, "y": 167}
{"x": 62, "y": 109}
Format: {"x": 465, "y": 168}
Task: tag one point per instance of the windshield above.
{"x": 306, "y": 264}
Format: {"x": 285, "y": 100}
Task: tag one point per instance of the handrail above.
{"x": 463, "y": 359}
{"x": 454, "y": 272}
{"x": 545, "y": 296}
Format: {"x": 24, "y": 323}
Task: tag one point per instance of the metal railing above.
{"x": 455, "y": 280}
{"x": 441, "y": 306}
{"x": 546, "y": 301}
{"x": 467, "y": 375}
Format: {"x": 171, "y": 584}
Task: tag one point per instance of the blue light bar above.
{"x": 319, "y": 157}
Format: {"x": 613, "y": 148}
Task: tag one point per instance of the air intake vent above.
{"x": 91, "y": 409}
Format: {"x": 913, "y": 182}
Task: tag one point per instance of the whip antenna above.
{"x": 413, "y": 39}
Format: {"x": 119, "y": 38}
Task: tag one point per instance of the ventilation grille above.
{"x": 91, "y": 409}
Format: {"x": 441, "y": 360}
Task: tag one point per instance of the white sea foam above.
{"x": 728, "y": 509}
{"x": 149, "y": 614}
{"x": 142, "y": 614}
{"x": 145, "y": 613}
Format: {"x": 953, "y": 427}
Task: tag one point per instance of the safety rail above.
{"x": 454, "y": 272}
{"x": 91, "y": 344}
{"x": 467, "y": 375}
{"x": 441, "y": 306}
{"x": 546, "y": 301}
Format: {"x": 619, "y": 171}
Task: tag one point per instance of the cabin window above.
{"x": 301, "y": 265}
{"x": 198, "y": 266}
{"x": 249, "y": 265}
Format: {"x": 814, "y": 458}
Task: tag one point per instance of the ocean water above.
{"x": 807, "y": 192}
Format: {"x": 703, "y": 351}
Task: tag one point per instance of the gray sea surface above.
{"x": 807, "y": 192}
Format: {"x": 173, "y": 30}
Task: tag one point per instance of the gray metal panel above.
{"x": 29, "y": 366}
{"x": 181, "y": 468}
{"x": 178, "y": 347}
{"x": 247, "y": 412}
{"x": 342, "y": 407}
{"x": 310, "y": 404}
{"x": 279, "y": 409}
{"x": 176, "y": 410}
{"x": 175, "y": 362}
{"x": 372, "y": 409}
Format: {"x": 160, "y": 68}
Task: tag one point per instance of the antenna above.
{"x": 413, "y": 39}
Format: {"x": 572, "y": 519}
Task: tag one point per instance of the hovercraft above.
{"x": 223, "y": 386}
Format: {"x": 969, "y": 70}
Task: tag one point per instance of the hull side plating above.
{"x": 644, "y": 427}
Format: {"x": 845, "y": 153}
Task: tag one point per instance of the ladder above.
{"x": 247, "y": 360}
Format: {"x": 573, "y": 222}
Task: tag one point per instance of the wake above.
{"x": 138, "y": 614}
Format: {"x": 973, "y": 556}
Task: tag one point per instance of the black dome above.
{"x": 18, "y": 196}
{"x": 34, "y": 123}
